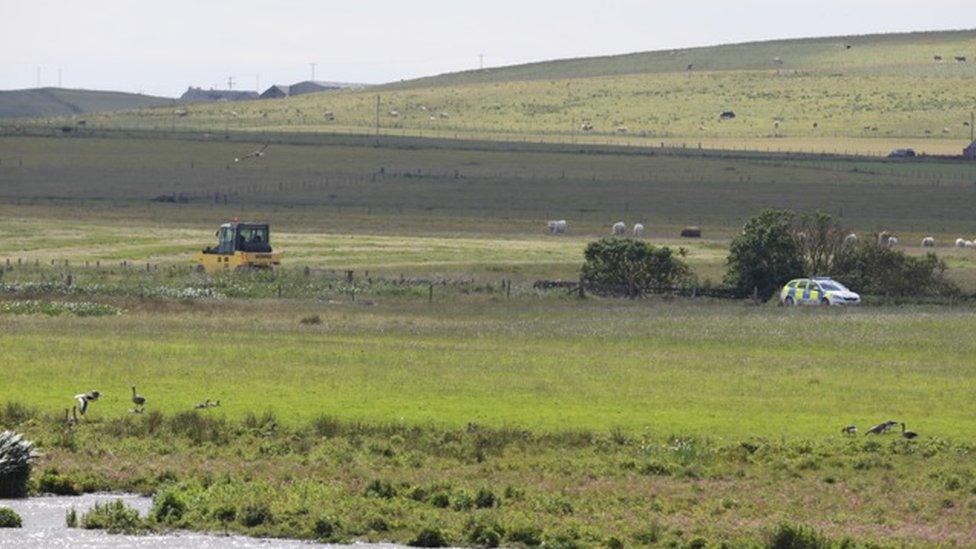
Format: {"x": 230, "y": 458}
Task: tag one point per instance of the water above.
{"x": 44, "y": 526}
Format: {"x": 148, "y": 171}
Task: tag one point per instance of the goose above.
{"x": 138, "y": 399}
{"x": 255, "y": 154}
{"x": 907, "y": 434}
{"x": 202, "y": 405}
{"x": 84, "y": 398}
{"x": 881, "y": 428}
{"x": 849, "y": 430}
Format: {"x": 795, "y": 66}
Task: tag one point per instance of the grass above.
{"x": 527, "y": 364}
{"x": 885, "y": 92}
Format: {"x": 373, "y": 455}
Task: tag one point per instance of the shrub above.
{"x": 52, "y": 482}
{"x": 429, "y": 537}
{"x": 529, "y": 536}
{"x": 626, "y": 266}
{"x": 796, "y": 536}
{"x": 765, "y": 255}
{"x": 380, "y": 489}
{"x": 440, "y": 500}
{"x": 71, "y": 518}
{"x": 484, "y": 532}
{"x": 255, "y": 514}
{"x": 485, "y": 499}
{"x": 225, "y": 513}
{"x": 311, "y": 320}
{"x": 873, "y": 269}
{"x": 9, "y": 518}
{"x": 167, "y": 508}
{"x": 114, "y": 517}
{"x": 16, "y": 458}
{"x": 326, "y": 528}
{"x": 14, "y": 413}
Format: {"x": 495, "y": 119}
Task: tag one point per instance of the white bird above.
{"x": 84, "y": 398}
{"x": 254, "y": 154}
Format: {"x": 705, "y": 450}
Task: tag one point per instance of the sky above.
{"x": 161, "y": 48}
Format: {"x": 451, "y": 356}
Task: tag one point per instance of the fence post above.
{"x": 430, "y": 293}
{"x": 755, "y": 295}
{"x": 582, "y": 291}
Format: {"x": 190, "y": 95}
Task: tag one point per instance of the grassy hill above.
{"x": 45, "y": 102}
{"x": 806, "y": 94}
{"x": 878, "y": 53}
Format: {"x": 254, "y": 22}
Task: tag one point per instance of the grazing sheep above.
{"x": 928, "y": 242}
{"x": 968, "y": 244}
{"x": 622, "y": 129}
{"x": 960, "y": 242}
{"x": 938, "y": 58}
{"x": 850, "y": 239}
{"x": 892, "y": 241}
{"x": 777, "y": 61}
{"x": 639, "y": 229}
{"x": 444, "y": 115}
{"x": 557, "y": 226}
{"x": 883, "y": 237}
{"x": 619, "y": 228}
{"x": 961, "y": 58}
{"x": 691, "y": 232}
{"x": 394, "y": 113}
{"x": 586, "y": 127}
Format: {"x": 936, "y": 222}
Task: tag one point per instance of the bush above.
{"x": 9, "y": 518}
{"x": 529, "y": 536}
{"x": 765, "y": 255}
{"x": 326, "y": 528}
{"x": 52, "y": 482}
{"x": 71, "y": 518}
{"x": 484, "y": 532}
{"x": 429, "y": 537}
{"x": 115, "y": 518}
{"x": 879, "y": 270}
{"x": 380, "y": 489}
{"x": 625, "y": 266}
{"x": 255, "y": 514}
{"x": 795, "y": 536}
{"x": 16, "y": 457}
{"x": 167, "y": 508}
{"x": 485, "y": 499}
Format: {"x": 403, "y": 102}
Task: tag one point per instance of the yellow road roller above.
{"x": 240, "y": 247}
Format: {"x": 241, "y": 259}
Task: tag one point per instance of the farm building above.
{"x": 276, "y": 92}
{"x": 200, "y": 95}
{"x": 970, "y": 151}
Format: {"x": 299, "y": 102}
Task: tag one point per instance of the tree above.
{"x": 871, "y": 268}
{"x": 821, "y": 242}
{"x": 632, "y": 267}
{"x": 765, "y": 255}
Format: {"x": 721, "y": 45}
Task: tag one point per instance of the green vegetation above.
{"x": 631, "y": 267}
{"x": 46, "y": 102}
{"x": 115, "y": 518}
{"x": 17, "y": 456}
{"x": 55, "y": 308}
{"x": 887, "y": 89}
{"x": 9, "y": 518}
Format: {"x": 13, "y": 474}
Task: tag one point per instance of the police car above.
{"x": 817, "y": 291}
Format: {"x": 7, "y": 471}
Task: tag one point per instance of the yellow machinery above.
{"x": 240, "y": 246}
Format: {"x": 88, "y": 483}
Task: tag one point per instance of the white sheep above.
{"x": 928, "y": 242}
{"x": 850, "y": 239}
{"x": 639, "y": 229}
{"x": 892, "y": 241}
{"x": 960, "y": 242}
{"x": 619, "y": 228}
{"x": 883, "y": 237}
{"x": 557, "y": 226}
{"x": 968, "y": 244}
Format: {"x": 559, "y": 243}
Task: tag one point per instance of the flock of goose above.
{"x": 84, "y": 400}
{"x": 881, "y": 429}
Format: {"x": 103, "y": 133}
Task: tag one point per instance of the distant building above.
{"x": 970, "y": 151}
{"x": 276, "y": 92}
{"x": 200, "y": 95}
{"x": 313, "y": 86}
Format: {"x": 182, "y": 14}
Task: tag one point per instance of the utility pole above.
{"x": 377, "y": 115}
{"x": 481, "y": 61}
{"x": 230, "y": 82}
{"x": 313, "y": 70}
{"x": 972, "y": 122}
{"x": 59, "y": 78}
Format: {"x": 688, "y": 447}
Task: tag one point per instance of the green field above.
{"x": 885, "y": 92}
{"x": 376, "y": 408}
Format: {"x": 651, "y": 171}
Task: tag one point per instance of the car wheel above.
{"x": 825, "y": 302}
{"x": 789, "y": 302}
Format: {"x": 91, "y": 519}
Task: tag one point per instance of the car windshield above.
{"x": 832, "y": 287}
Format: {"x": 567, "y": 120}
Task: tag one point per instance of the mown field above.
{"x": 885, "y": 92}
